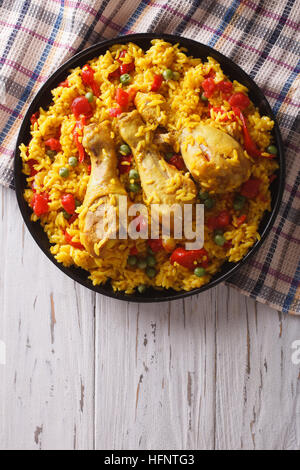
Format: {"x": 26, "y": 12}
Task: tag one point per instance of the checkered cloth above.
{"x": 38, "y": 35}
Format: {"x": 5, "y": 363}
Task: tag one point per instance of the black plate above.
{"x": 44, "y": 97}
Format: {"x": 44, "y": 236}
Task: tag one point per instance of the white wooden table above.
{"x": 83, "y": 371}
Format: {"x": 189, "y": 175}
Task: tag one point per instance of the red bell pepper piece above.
{"x": 64, "y": 84}
{"x": 40, "y": 204}
{"x": 250, "y": 188}
{"x": 239, "y": 100}
{"x": 68, "y": 203}
{"x": 34, "y": 117}
{"x": 53, "y": 144}
{"x": 77, "y": 133}
{"x": 69, "y": 241}
{"x": 177, "y": 161}
{"x": 224, "y": 86}
{"x": 30, "y": 163}
{"x": 208, "y": 86}
{"x": 189, "y": 258}
{"x": 88, "y": 79}
{"x": 156, "y": 245}
{"x": 122, "y": 98}
{"x": 240, "y": 220}
{"x": 249, "y": 145}
{"x": 157, "y": 81}
{"x": 126, "y": 68}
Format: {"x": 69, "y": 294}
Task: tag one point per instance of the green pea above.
{"x": 219, "y": 240}
{"x": 176, "y": 75}
{"x": 203, "y": 195}
{"x": 132, "y": 260}
{"x": 51, "y": 154}
{"x": 64, "y": 172}
{"x": 272, "y": 149}
{"x": 168, "y": 74}
{"x": 151, "y": 272}
{"x": 134, "y": 175}
{"x": 209, "y": 203}
{"x": 218, "y": 231}
{"x": 142, "y": 288}
{"x": 73, "y": 161}
{"x": 151, "y": 261}
{"x": 200, "y": 272}
{"x": 77, "y": 203}
{"x": 168, "y": 156}
{"x": 66, "y": 215}
{"x": 125, "y": 78}
{"x": 142, "y": 264}
{"x": 203, "y": 97}
{"x": 239, "y": 202}
{"x": 89, "y": 96}
{"x": 134, "y": 187}
{"x": 125, "y": 149}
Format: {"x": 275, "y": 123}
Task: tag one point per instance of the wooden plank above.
{"x": 47, "y": 323}
{"x": 155, "y": 374}
{"x": 258, "y": 391}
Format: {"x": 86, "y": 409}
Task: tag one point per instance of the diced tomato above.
{"x": 40, "y": 204}
{"x": 189, "y": 258}
{"x": 68, "y": 203}
{"x": 115, "y": 112}
{"x": 81, "y": 106}
{"x": 240, "y": 220}
{"x": 68, "y": 240}
{"x": 88, "y": 79}
{"x": 224, "y": 219}
{"x": 240, "y": 100}
{"x": 177, "y": 161}
{"x": 221, "y": 220}
{"x": 34, "y": 117}
{"x": 208, "y": 86}
{"x": 249, "y": 144}
{"x": 53, "y": 144}
{"x": 156, "y": 245}
{"x": 30, "y": 163}
{"x": 64, "y": 84}
{"x": 126, "y": 68}
{"x": 131, "y": 94}
{"x": 77, "y": 136}
{"x": 134, "y": 251}
{"x": 142, "y": 225}
{"x": 115, "y": 74}
{"x": 122, "y": 54}
{"x": 73, "y": 218}
{"x": 250, "y": 188}
{"x": 157, "y": 81}
{"x": 122, "y": 98}
{"x": 224, "y": 86}
{"x": 124, "y": 164}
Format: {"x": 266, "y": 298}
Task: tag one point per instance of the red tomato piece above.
{"x": 241, "y": 220}
{"x": 40, "y": 204}
{"x": 34, "y": 117}
{"x": 64, "y": 84}
{"x": 155, "y": 245}
{"x": 208, "y": 86}
{"x": 134, "y": 251}
{"x": 80, "y": 106}
{"x": 53, "y": 144}
{"x": 189, "y": 258}
{"x": 68, "y": 203}
{"x": 224, "y": 86}
{"x": 240, "y": 100}
{"x": 30, "y": 163}
{"x": 115, "y": 74}
{"x": 124, "y": 164}
{"x": 177, "y": 161}
{"x": 122, "y": 97}
{"x": 69, "y": 241}
{"x": 126, "y": 68}
{"x": 224, "y": 219}
{"x": 115, "y": 112}
{"x": 250, "y": 188}
{"x": 157, "y": 81}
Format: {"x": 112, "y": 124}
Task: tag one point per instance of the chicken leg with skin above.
{"x": 215, "y": 159}
{"x": 155, "y": 173}
{"x": 104, "y": 188}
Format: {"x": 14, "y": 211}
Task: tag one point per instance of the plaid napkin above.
{"x": 38, "y": 35}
